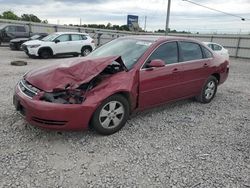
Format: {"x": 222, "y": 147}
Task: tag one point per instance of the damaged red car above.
{"x": 125, "y": 75}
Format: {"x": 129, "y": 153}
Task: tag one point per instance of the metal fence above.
{"x": 238, "y": 45}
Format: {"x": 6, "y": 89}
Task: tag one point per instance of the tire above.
{"x": 208, "y": 91}
{"x": 86, "y": 51}
{"x": 18, "y": 47}
{"x": 45, "y": 54}
{"x": 111, "y": 115}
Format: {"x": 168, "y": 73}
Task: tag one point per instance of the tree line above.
{"x": 33, "y": 18}
{"x": 24, "y": 17}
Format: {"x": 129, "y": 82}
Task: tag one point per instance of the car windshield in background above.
{"x": 35, "y": 37}
{"x": 50, "y": 37}
{"x": 2, "y": 26}
{"x": 129, "y": 49}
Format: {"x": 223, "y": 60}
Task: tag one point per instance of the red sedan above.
{"x": 124, "y": 75}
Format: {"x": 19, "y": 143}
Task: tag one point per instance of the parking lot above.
{"x": 183, "y": 144}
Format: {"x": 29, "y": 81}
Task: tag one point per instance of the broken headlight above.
{"x": 64, "y": 97}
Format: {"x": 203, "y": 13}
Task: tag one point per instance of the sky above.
{"x": 183, "y": 15}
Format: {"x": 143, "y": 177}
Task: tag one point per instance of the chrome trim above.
{"x": 191, "y": 61}
{"x": 21, "y": 81}
{"x": 28, "y": 88}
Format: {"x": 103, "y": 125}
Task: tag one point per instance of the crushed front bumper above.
{"x": 50, "y": 115}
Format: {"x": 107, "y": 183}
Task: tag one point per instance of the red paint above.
{"x": 145, "y": 87}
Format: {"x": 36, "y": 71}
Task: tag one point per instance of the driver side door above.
{"x": 160, "y": 84}
{"x": 61, "y": 44}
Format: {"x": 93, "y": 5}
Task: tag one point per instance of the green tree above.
{"x": 9, "y": 15}
{"x": 30, "y": 18}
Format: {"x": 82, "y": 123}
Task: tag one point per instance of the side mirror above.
{"x": 156, "y": 63}
{"x": 56, "y": 41}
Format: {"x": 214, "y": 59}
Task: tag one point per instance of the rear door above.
{"x": 195, "y": 64}
{"x": 77, "y": 42}
{"x": 161, "y": 84}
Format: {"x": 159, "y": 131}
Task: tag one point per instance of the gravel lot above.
{"x": 184, "y": 144}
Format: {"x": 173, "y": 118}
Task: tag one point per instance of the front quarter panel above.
{"x": 122, "y": 82}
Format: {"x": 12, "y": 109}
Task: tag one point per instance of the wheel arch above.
{"x": 123, "y": 93}
{"x": 217, "y": 76}
{"x": 45, "y": 48}
{"x": 87, "y": 46}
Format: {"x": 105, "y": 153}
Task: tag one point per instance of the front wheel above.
{"x": 208, "y": 91}
{"x": 111, "y": 115}
{"x": 45, "y": 54}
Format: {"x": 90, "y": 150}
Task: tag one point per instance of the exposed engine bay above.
{"x": 78, "y": 95}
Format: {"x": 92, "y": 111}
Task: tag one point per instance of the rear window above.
{"x": 76, "y": 37}
{"x": 206, "y": 52}
{"x": 190, "y": 51}
{"x": 20, "y": 29}
{"x": 217, "y": 47}
{"x": 84, "y": 37}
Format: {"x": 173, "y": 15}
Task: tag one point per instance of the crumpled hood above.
{"x": 72, "y": 73}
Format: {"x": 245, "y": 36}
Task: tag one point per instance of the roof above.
{"x": 70, "y": 32}
{"x": 155, "y": 38}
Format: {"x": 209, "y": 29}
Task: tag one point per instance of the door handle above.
{"x": 205, "y": 65}
{"x": 175, "y": 70}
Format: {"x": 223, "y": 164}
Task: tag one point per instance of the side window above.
{"x": 217, "y": 47}
{"x": 84, "y": 37}
{"x": 167, "y": 52}
{"x": 210, "y": 46}
{"x": 206, "y": 52}
{"x": 10, "y": 29}
{"x": 76, "y": 37}
{"x": 63, "y": 38}
{"x": 20, "y": 29}
{"x": 190, "y": 51}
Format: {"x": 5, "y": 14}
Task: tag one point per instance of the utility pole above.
{"x": 145, "y": 23}
{"x": 167, "y": 18}
{"x": 80, "y": 21}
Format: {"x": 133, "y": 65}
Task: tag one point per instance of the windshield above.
{"x": 2, "y": 26}
{"x": 35, "y": 37}
{"x": 50, "y": 37}
{"x": 129, "y": 49}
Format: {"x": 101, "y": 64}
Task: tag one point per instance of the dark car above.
{"x": 12, "y": 31}
{"x": 15, "y": 44}
{"x": 125, "y": 75}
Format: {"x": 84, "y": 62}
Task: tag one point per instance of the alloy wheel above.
{"x": 111, "y": 115}
{"x": 210, "y": 90}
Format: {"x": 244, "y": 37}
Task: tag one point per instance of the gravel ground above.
{"x": 184, "y": 144}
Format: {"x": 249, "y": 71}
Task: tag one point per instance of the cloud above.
{"x": 183, "y": 15}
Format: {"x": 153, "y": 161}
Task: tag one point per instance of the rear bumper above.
{"x": 50, "y": 115}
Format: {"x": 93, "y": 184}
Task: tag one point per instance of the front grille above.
{"x": 48, "y": 121}
{"x": 27, "y": 88}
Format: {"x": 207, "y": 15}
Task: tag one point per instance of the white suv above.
{"x": 60, "y": 43}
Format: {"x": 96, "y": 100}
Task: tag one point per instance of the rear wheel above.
{"x": 111, "y": 115}
{"x": 45, "y": 54}
{"x": 208, "y": 91}
{"x": 86, "y": 51}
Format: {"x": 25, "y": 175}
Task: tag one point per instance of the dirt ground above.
{"x": 183, "y": 144}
